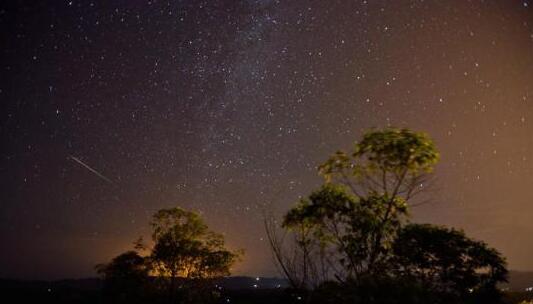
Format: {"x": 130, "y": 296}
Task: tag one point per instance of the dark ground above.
{"x": 238, "y": 290}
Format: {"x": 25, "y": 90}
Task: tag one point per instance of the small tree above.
{"x": 303, "y": 259}
{"x": 125, "y": 277}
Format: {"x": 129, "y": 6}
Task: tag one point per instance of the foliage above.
{"x": 448, "y": 262}
{"x": 125, "y": 277}
{"x": 345, "y": 226}
{"x": 390, "y": 162}
{"x": 185, "y": 247}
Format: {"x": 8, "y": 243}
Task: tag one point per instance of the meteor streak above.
{"x": 91, "y": 169}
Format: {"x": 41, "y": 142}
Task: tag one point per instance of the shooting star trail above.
{"x": 91, "y": 169}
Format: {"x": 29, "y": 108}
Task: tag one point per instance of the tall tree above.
{"x": 346, "y": 228}
{"x": 386, "y": 168}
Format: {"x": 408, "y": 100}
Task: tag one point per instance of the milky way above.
{"x": 227, "y": 107}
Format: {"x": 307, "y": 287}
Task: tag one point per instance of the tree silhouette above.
{"x": 182, "y": 263}
{"x": 126, "y": 277}
{"x": 447, "y": 262}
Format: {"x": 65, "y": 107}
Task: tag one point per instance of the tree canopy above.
{"x": 185, "y": 247}
{"x": 390, "y": 162}
{"x": 447, "y": 261}
{"x": 125, "y": 277}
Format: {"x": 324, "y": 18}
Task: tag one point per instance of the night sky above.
{"x": 111, "y": 110}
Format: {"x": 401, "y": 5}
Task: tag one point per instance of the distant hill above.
{"x": 519, "y": 280}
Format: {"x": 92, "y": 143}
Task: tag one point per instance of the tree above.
{"x": 125, "y": 277}
{"x": 387, "y": 168}
{"x": 186, "y": 252}
{"x": 304, "y": 259}
{"x": 449, "y": 263}
{"x": 345, "y": 227}
{"x": 354, "y": 217}
{"x": 182, "y": 263}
